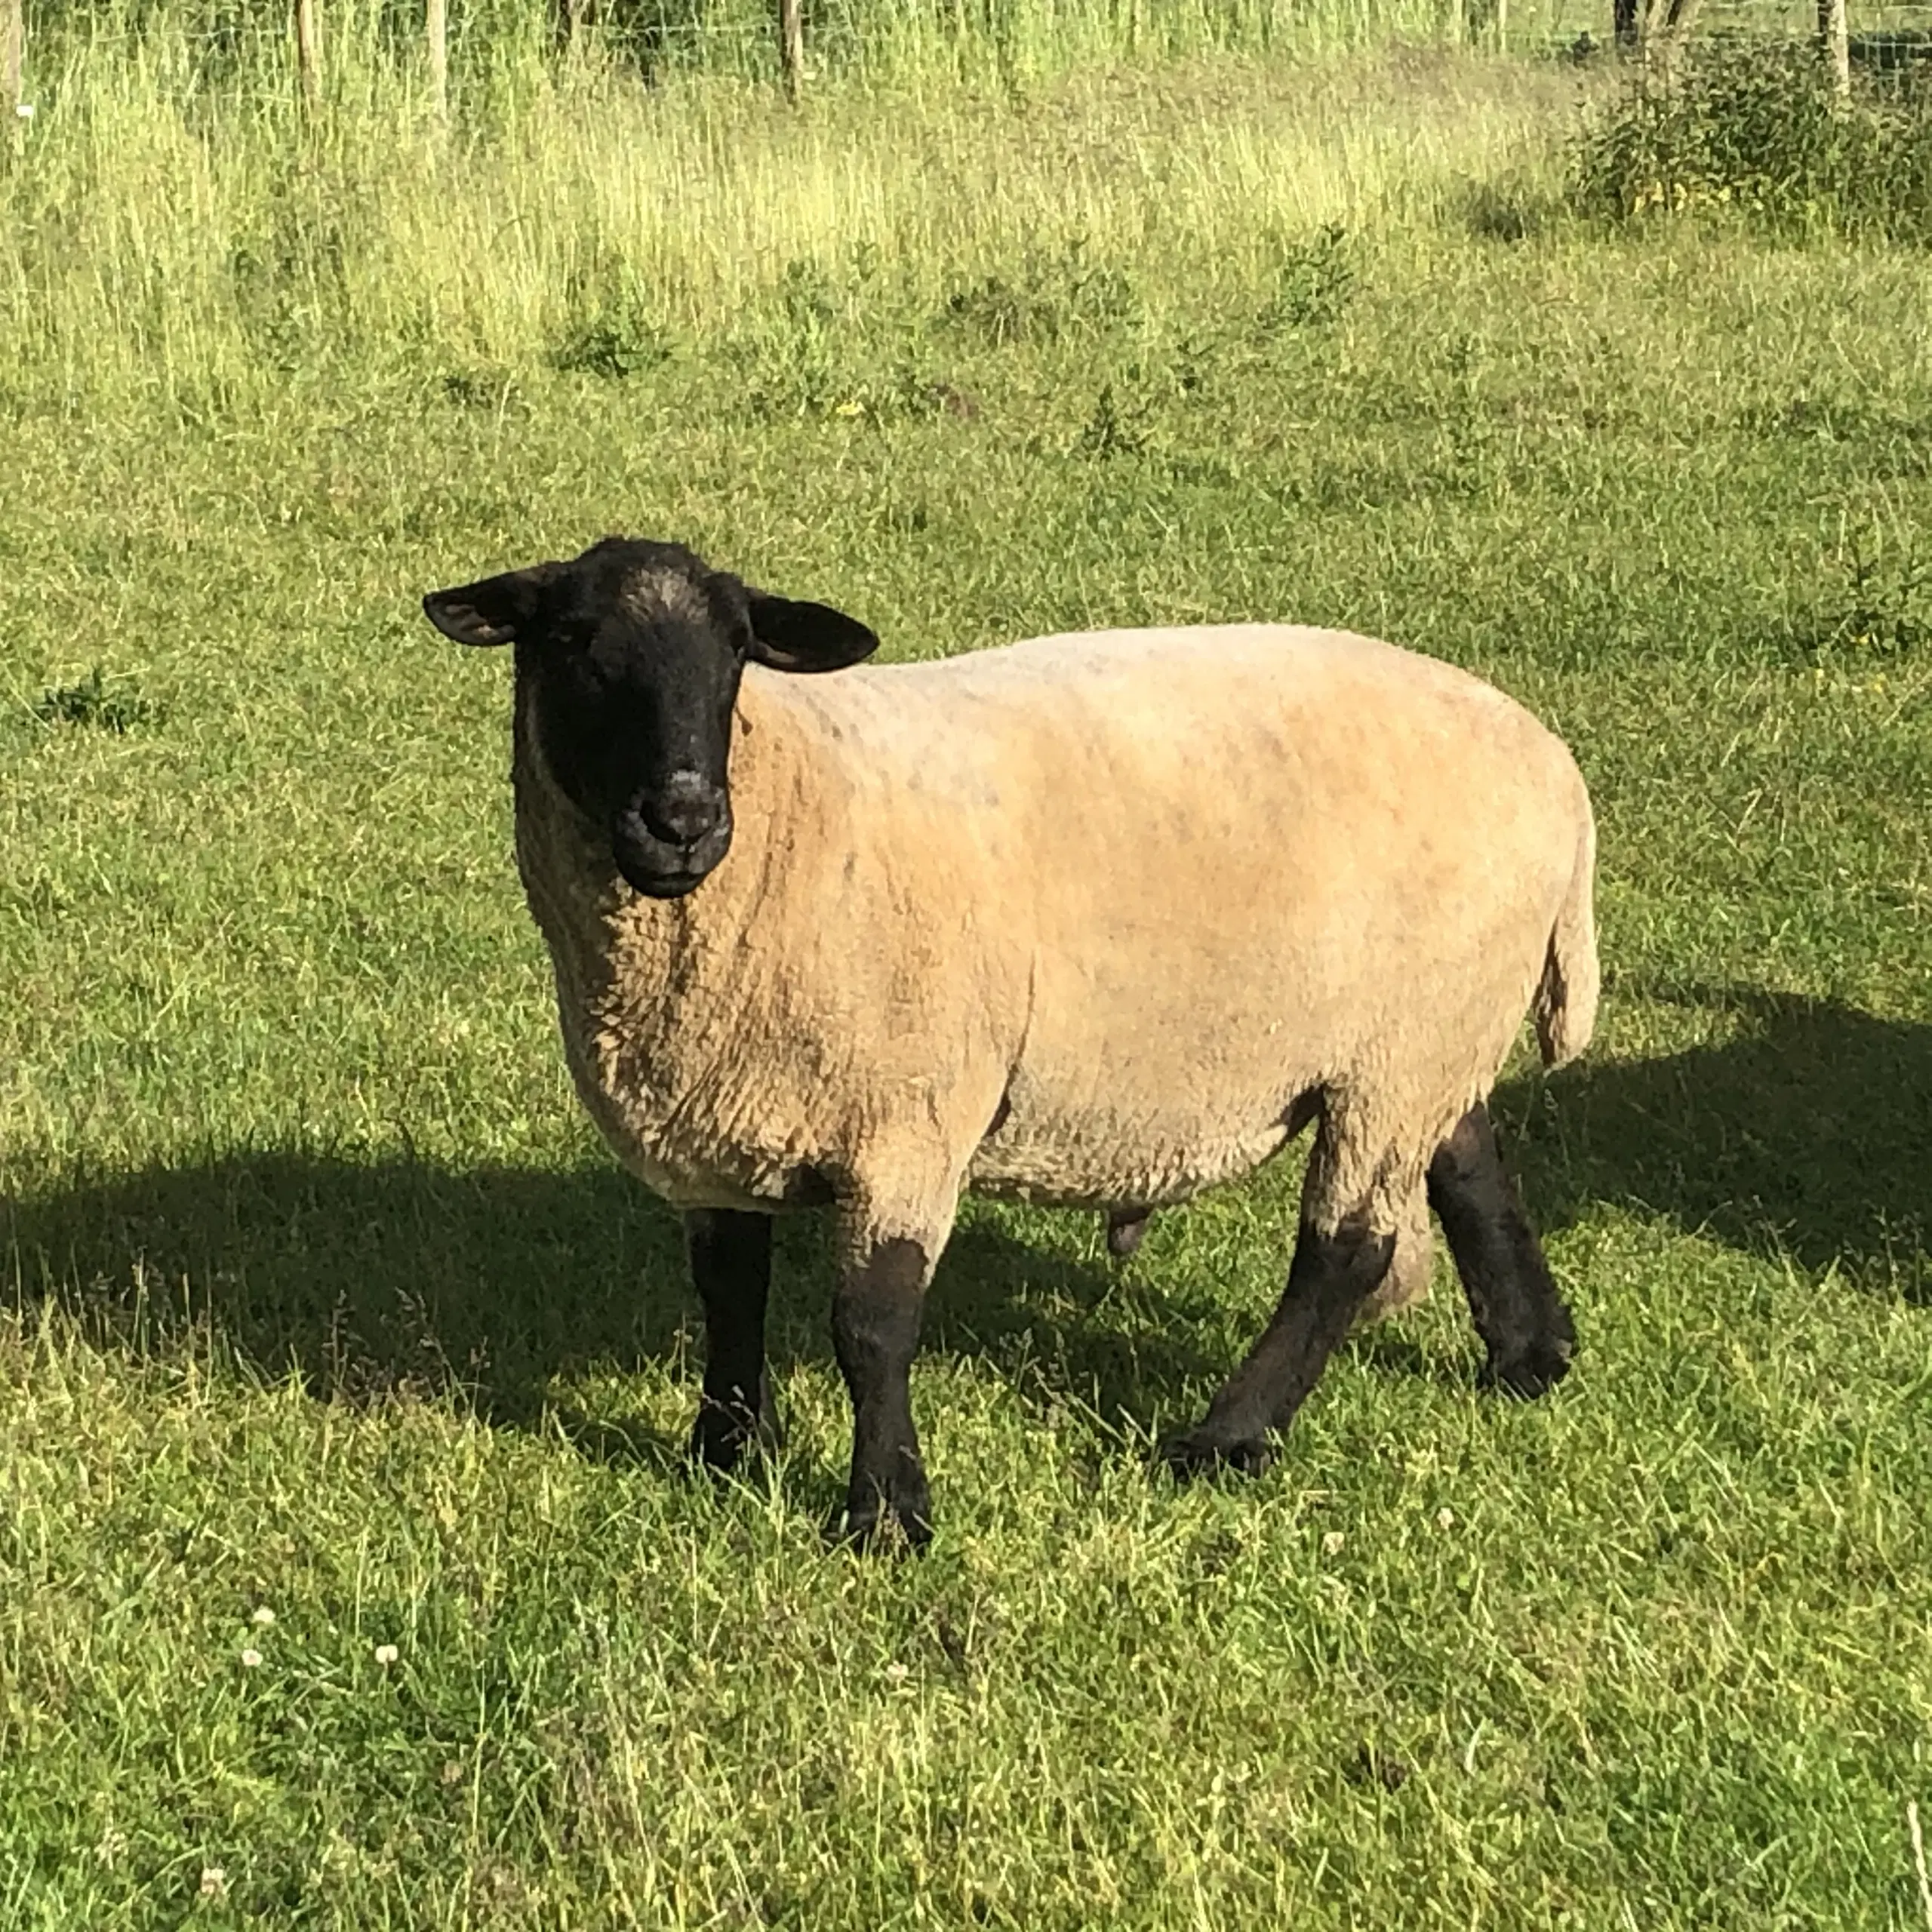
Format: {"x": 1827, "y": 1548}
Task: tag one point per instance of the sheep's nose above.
{"x": 684, "y": 809}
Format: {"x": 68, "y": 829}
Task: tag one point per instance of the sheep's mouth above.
{"x": 661, "y": 885}
{"x": 660, "y": 869}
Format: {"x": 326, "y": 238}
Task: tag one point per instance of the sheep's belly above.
{"x": 1101, "y": 1162}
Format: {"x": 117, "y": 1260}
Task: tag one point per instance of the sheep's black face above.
{"x": 632, "y": 681}
{"x": 631, "y": 657}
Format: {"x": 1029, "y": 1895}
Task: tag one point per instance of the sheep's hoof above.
{"x": 1532, "y": 1372}
{"x": 1197, "y": 1453}
{"x": 1125, "y": 1227}
{"x": 724, "y": 1430}
{"x": 878, "y": 1523}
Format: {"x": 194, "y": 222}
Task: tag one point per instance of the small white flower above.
{"x": 897, "y": 1673}
{"x": 1445, "y": 1517}
{"x": 1331, "y": 1544}
{"x": 386, "y": 1654}
{"x": 251, "y": 1659}
{"x": 24, "y": 108}
{"x": 214, "y": 1882}
{"x": 263, "y": 1617}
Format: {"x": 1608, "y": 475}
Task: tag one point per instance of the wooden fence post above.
{"x": 309, "y": 48}
{"x": 13, "y": 64}
{"x": 1662, "y": 28}
{"x": 1835, "y": 45}
{"x": 791, "y": 45}
{"x": 436, "y": 31}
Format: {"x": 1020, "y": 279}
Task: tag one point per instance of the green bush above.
{"x": 1757, "y": 127}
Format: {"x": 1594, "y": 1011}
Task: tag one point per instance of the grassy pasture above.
{"x": 319, "y": 1298}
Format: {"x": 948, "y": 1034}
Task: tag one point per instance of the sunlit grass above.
{"x": 151, "y": 245}
{"x": 319, "y": 1296}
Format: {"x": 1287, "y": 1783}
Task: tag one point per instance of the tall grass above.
{"x": 173, "y": 226}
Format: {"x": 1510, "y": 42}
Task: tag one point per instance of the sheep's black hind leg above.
{"x": 1331, "y": 1276}
{"x": 1518, "y": 1313}
{"x": 731, "y": 1259}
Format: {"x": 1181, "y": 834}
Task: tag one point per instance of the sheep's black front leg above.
{"x": 1517, "y": 1310}
{"x": 1330, "y": 1277}
{"x": 875, "y": 1332}
{"x": 730, "y": 1258}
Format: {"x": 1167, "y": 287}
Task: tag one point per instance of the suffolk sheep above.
{"x": 1099, "y": 919}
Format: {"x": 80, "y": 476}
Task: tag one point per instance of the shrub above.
{"x": 1756, "y": 127}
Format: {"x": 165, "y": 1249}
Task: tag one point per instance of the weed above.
{"x": 1002, "y": 312}
{"x": 1312, "y": 284}
{"x": 1051, "y": 297}
{"x": 613, "y": 333}
{"x": 492, "y": 388}
{"x": 612, "y": 346}
{"x": 1513, "y": 208}
{"x": 1884, "y": 607}
{"x": 1110, "y": 431}
{"x": 807, "y": 297}
{"x": 94, "y": 705}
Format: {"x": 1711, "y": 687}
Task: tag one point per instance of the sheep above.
{"x": 1099, "y": 919}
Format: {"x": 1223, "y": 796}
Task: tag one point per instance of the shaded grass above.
{"x": 322, "y": 1299}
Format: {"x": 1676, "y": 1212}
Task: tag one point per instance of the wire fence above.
{"x": 240, "y": 49}
{"x": 243, "y": 48}
{"x": 1881, "y": 36}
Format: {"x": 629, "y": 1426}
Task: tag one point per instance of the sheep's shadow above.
{"x": 1806, "y": 1133}
{"x": 365, "y": 1278}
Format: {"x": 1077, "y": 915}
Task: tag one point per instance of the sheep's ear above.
{"x": 805, "y": 636}
{"x": 492, "y": 611}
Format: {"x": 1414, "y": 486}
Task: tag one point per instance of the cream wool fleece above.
{"x": 1092, "y": 919}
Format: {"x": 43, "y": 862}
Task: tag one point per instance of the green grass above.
{"x": 155, "y": 247}
{"x": 321, "y": 1299}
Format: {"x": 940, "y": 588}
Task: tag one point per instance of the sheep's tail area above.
{"x": 1566, "y": 1002}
